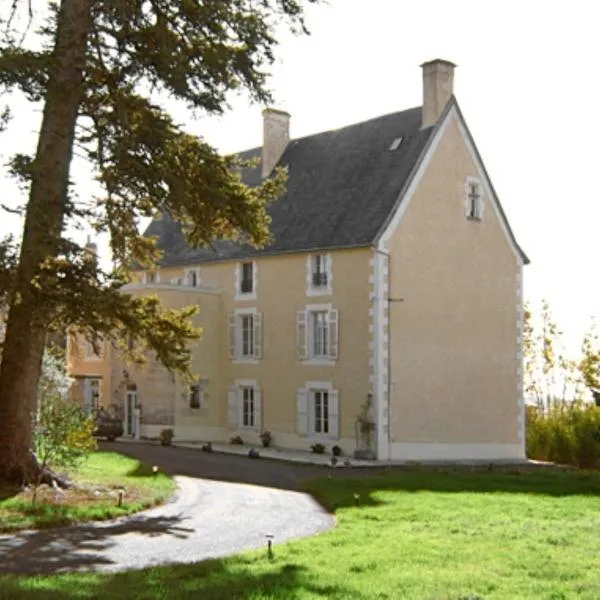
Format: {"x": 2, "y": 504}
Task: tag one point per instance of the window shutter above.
{"x": 257, "y": 408}
{"x": 257, "y": 323}
{"x": 232, "y": 323}
{"x": 333, "y": 333}
{"x": 232, "y": 407}
{"x": 301, "y": 334}
{"x": 302, "y": 411}
{"x": 334, "y": 414}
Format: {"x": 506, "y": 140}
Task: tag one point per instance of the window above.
{"x": 247, "y": 279}
{"x": 318, "y": 410}
{"x": 474, "y": 199}
{"x": 151, "y": 277}
{"x": 319, "y": 270}
{"x": 91, "y": 400}
{"x": 244, "y": 405}
{"x": 320, "y": 333}
{"x": 248, "y": 408}
{"x": 396, "y": 144}
{"x": 317, "y": 334}
{"x": 245, "y": 335}
{"x": 247, "y": 341}
{"x": 318, "y": 275}
{"x": 195, "y": 396}
{"x": 192, "y": 277}
{"x": 321, "y": 412}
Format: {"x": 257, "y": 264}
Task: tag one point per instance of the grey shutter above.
{"x": 333, "y": 333}
{"x": 232, "y": 407}
{"x": 257, "y": 334}
{"x": 232, "y": 335}
{"x": 302, "y": 411}
{"x": 334, "y": 414}
{"x": 301, "y": 344}
{"x": 257, "y": 408}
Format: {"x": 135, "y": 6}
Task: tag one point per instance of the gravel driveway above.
{"x": 207, "y": 518}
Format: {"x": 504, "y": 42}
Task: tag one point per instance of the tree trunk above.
{"x": 44, "y": 221}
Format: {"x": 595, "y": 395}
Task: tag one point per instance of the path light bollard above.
{"x": 120, "y": 501}
{"x": 270, "y": 545}
{"x": 155, "y": 470}
{"x": 357, "y": 499}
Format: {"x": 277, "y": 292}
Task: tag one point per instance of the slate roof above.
{"x": 342, "y": 187}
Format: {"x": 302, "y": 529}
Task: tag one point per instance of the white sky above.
{"x": 526, "y": 82}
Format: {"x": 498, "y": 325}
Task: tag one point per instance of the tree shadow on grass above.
{"x": 210, "y": 580}
{"x": 342, "y": 492}
{"x": 81, "y": 547}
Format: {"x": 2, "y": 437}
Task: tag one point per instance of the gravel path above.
{"x": 206, "y": 519}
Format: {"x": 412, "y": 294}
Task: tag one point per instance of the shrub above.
{"x": 166, "y": 437}
{"x": 318, "y": 448}
{"x": 267, "y": 438}
{"x": 336, "y": 450}
{"x": 566, "y": 434}
{"x": 236, "y": 440}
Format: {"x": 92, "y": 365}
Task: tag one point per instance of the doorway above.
{"x": 130, "y": 425}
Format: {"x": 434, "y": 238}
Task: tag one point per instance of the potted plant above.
{"x": 266, "y": 438}
{"x": 318, "y": 448}
{"x": 336, "y": 450}
{"x": 166, "y": 437}
{"x": 236, "y": 440}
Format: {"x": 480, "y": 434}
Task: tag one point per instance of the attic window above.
{"x": 396, "y": 143}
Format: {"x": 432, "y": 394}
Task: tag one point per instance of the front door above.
{"x": 130, "y": 405}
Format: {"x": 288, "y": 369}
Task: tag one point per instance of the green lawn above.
{"x": 417, "y": 534}
{"x": 98, "y": 480}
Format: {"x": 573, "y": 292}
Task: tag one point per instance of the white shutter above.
{"x": 301, "y": 334}
{"x": 302, "y": 411}
{"x": 333, "y": 333}
{"x": 232, "y": 336}
{"x": 334, "y": 414}
{"x": 257, "y": 333}
{"x": 232, "y": 407}
{"x": 257, "y": 408}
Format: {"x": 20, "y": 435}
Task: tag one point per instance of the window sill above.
{"x": 319, "y": 291}
{"x": 474, "y": 219}
{"x": 239, "y": 297}
{"x": 245, "y": 361}
{"x": 319, "y": 362}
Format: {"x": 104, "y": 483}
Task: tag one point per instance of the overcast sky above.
{"x": 526, "y": 82}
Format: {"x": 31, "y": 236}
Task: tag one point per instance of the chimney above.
{"x": 91, "y": 249}
{"x": 438, "y": 80}
{"x": 276, "y": 135}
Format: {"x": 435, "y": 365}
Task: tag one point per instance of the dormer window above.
{"x": 318, "y": 275}
{"x": 151, "y": 277}
{"x": 192, "y": 277}
{"x": 473, "y": 199}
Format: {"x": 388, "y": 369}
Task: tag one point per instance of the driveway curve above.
{"x": 207, "y": 518}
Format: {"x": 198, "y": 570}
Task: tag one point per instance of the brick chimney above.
{"x": 438, "y": 81}
{"x": 276, "y": 135}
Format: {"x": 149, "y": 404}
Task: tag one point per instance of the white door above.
{"x": 130, "y": 404}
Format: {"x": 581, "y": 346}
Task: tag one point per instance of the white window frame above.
{"x": 306, "y": 345}
{"x": 306, "y": 411}
{"x": 88, "y": 396}
{"x": 243, "y": 296}
{"x": 146, "y": 279}
{"x": 236, "y": 322}
{"x": 236, "y": 405}
{"x": 191, "y": 272}
{"x": 479, "y": 208}
{"x": 321, "y": 290}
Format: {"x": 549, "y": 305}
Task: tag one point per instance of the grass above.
{"x": 95, "y": 497}
{"x": 418, "y": 534}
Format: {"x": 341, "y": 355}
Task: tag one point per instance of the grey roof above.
{"x": 342, "y": 186}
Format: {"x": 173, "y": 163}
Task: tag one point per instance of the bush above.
{"x": 166, "y": 437}
{"x": 236, "y": 440}
{"x": 267, "y": 438}
{"x": 566, "y": 434}
{"x": 318, "y": 448}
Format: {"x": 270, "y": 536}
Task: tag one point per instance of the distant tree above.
{"x": 98, "y": 69}
{"x": 589, "y": 365}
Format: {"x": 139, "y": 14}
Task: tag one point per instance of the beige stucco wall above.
{"x": 454, "y": 334}
{"x": 281, "y": 292}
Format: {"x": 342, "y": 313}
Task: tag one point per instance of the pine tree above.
{"x": 98, "y": 71}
